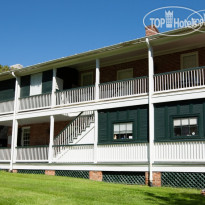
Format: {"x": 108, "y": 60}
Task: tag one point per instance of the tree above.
{"x": 4, "y": 68}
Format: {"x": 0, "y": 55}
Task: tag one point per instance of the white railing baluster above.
{"x": 179, "y": 80}
{"x": 35, "y": 102}
{"x": 38, "y": 153}
{"x": 73, "y": 130}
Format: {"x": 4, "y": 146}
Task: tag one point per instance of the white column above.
{"x": 97, "y": 79}
{"x": 53, "y": 96}
{"x": 96, "y": 137}
{"x": 151, "y": 110}
{"x": 50, "y": 151}
{"x": 15, "y": 123}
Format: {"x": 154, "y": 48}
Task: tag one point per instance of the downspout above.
{"x": 15, "y": 124}
{"x": 151, "y": 110}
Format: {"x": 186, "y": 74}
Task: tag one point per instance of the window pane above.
{"x": 193, "y": 121}
{"x": 185, "y": 121}
{"x": 129, "y": 127}
{"x": 190, "y": 61}
{"x": 185, "y": 131}
{"x": 177, "y": 131}
{"x": 116, "y": 129}
{"x": 193, "y": 130}
{"x": 123, "y": 128}
{"x": 130, "y": 136}
{"x": 177, "y": 122}
{"x": 123, "y": 131}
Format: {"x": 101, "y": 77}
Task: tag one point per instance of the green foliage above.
{"x": 55, "y": 190}
{"x": 4, "y": 68}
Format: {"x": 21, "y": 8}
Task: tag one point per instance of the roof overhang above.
{"x": 158, "y": 41}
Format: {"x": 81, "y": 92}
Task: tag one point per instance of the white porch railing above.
{"x": 117, "y": 89}
{"x": 75, "y": 95}
{"x": 35, "y": 102}
{"x": 179, "y": 79}
{"x": 5, "y": 154}
{"x": 75, "y": 128}
{"x": 123, "y": 152}
{"x": 73, "y": 154}
{"x": 37, "y": 153}
{"x": 7, "y": 107}
{"x": 180, "y": 151}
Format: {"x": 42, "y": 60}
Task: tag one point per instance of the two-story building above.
{"x": 132, "y": 112}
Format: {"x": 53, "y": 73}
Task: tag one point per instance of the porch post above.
{"x": 97, "y": 79}
{"x": 15, "y": 122}
{"x": 53, "y": 99}
{"x": 50, "y": 151}
{"x": 14, "y": 143}
{"x": 151, "y": 110}
{"x": 96, "y": 137}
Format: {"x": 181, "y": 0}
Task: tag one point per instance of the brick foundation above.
{"x": 156, "y": 179}
{"x": 95, "y": 175}
{"x": 50, "y": 172}
{"x": 146, "y": 178}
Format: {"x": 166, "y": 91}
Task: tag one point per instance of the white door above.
{"x": 36, "y": 84}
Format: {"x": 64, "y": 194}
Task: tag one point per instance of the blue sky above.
{"x": 34, "y": 31}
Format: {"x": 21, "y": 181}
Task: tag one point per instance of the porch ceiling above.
{"x": 46, "y": 119}
{"x": 161, "y": 47}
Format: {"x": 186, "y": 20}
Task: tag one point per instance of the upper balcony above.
{"x": 180, "y": 80}
{"x": 123, "y": 74}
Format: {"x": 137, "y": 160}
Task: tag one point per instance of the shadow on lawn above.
{"x": 176, "y": 199}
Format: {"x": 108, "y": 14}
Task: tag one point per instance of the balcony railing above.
{"x": 7, "y": 107}
{"x": 5, "y": 154}
{"x": 180, "y": 151}
{"x": 35, "y": 102}
{"x": 75, "y": 95}
{"x": 32, "y": 154}
{"x": 182, "y": 79}
{"x": 122, "y": 88}
{"x": 163, "y": 82}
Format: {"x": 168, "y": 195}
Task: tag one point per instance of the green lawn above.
{"x": 42, "y": 189}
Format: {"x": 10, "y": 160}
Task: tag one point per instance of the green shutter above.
{"x": 7, "y": 90}
{"x": 25, "y": 86}
{"x": 102, "y": 128}
{"x": 47, "y": 81}
{"x": 159, "y": 115}
{"x": 143, "y": 124}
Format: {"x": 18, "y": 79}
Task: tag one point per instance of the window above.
{"x": 25, "y": 139}
{"x": 123, "y": 131}
{"x": 87, "y": 79}
{"x": 124, "y": 74}
{"x": 184, "y": 127}
{"x": 189, "y": 60}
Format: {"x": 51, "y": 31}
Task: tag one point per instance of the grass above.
{"x": 41, "y": 189}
